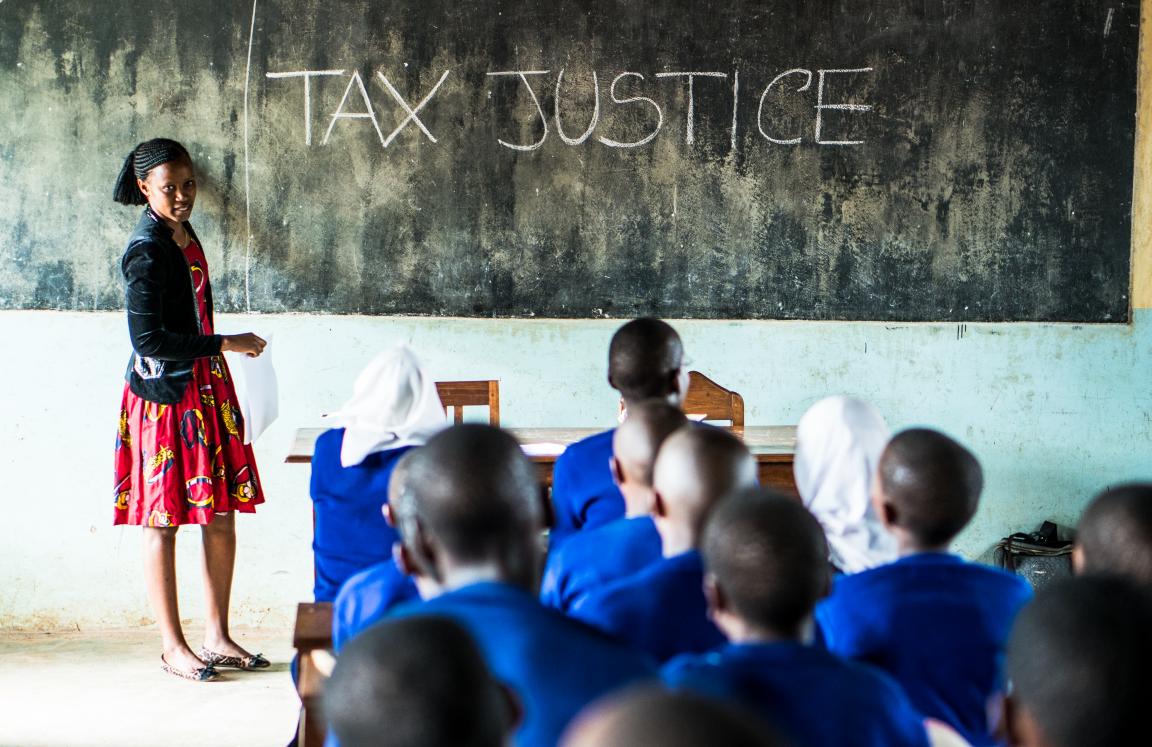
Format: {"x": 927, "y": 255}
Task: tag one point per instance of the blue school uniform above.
{"x": 584, "y": 494}
{"x": 367, "y": 597}
{"x": 812, "y": 697}
{"x": 591, "y": 559}
{"x": 936, "y": 623}
{"x": 660, "y": 610}
{"x": 350, "y": 532}
{"x": 555, "y": 664}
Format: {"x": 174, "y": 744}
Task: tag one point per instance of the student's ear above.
{"x": 143, "y": 187}
{"x": 386, "y": 509}
{"x": 617, "y": 472}
{"x": 884, "y": 510}
{"x": 714, "y": 594}
{"x": 1018, "y": 728}
{"x": 826, "y": 583}
{"x": 416, "y": 558}
{"x": 680, "y": 385}
{"x": 1077, "y": 560}
{"x": 513, "y": 709}
{"x": 402, "y": 559}
{"x": 659, "y": 507}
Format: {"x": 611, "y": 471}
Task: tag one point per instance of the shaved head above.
{"x": 931, "y": 484}
{"x": 640, "y": 436}
{"x": 768, "y": 556}
{"x": 644, "y": 360}
{"x": 472, "y": 492}
{"x": 1078, "y": 661}
{"x": 656, "y": 718}
{"x": 696, "y": 466}
{"x": 1115, "y": 533}
{"x": 415, "y": 682}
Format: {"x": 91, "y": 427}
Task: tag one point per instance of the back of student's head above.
{"x": 638, "y": 439}
{"x": 415, "y": 682}
{"x": 1115, "y": 533}
{"x": 472, "y": 491}
{"x": 768, "y": 558}
{"x": 695, "y": 467}
{"x": 1078, "y": 661}
{"x": 930, "y": 485}
{"x": 649, "y": 717}
{"x": 644, "y": 360}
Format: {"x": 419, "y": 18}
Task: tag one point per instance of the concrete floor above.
{"x": 81, "y": 689}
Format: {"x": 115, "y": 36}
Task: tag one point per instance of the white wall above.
{"x": 1056, "y": 412}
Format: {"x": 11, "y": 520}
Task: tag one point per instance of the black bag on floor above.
{"x": 1041, "y": 557}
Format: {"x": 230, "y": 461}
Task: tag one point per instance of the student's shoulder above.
{"x": 847, "y": 589}
{"x": 584, "y": 640}
{"x": 368, "y": 596}
{"x": 586, "y": 447}
{"x": 579, "y": 549}
{"x": 1009, "y": 586}
{"x": 688, "y": 670}
{"x": 328, "y": 443}
{"x": 615, "y": 600}
{"x": 890, "y": 702}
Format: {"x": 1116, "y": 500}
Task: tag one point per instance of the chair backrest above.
{"x": 460, "y": 394}
{"x": 706, "y": 397}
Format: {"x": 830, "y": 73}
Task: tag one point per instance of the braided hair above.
{"x": 143, "y": 158}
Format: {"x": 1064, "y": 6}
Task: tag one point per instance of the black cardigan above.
{"x": 163, "y": 319}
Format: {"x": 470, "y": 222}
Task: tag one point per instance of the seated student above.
{"x": 418, "y": 682}
{"x": 838, "y": 445}
{"x": 593, "y": 557}
{"x": 1115, "y": 534}
{"x": 470, "y": 524}
{"x": 367, "y": 597}
{"x": 1078, "y": 661}
{"x": 644, "y": 362}
{"x": 767, "y": 566}
{"x": 935, "y": 622}
{"x": 394, "y": 407}
{"x": 661, "y": 609}
{"x": 650, "y": 717}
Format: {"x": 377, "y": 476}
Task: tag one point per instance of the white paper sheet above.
{"x": 543, "y": 449}
{"x": 257, "y": 390}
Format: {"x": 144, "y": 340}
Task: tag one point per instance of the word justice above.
{"x": 357, "y": 105}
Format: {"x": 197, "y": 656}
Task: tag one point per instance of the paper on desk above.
{"x": 257, "y": 390}
{"x": 543, "y": 449}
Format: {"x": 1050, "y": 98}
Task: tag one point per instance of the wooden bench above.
{"x": 771, "y": 445}
{"x": 312, "y": 638}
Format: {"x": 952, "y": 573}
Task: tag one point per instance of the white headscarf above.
{"x": 394, "y": 403}
{"x": 838, "y": 446}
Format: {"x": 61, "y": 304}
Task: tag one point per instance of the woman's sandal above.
{"x": 248, "y": 663}
{"x": 199, "y": 674}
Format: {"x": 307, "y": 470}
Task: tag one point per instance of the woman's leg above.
{"x": 160, "y": 576}
{"x": 219, "y": 561}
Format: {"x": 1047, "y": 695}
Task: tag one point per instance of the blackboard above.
{"x": 869, "y": 160}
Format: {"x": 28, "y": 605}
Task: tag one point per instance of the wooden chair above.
{"x": 460, "y": 394}
{"x": 713, "y": 401}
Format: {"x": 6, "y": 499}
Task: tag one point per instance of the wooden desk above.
{"x": 772, "y": 445}
{"x": 313, "y": 632}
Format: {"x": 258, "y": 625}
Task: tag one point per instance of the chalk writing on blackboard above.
{"x": 356, "y": 104}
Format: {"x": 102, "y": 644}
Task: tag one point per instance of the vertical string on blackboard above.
{"x": 247, "y": 190}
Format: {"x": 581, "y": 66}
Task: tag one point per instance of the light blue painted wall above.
{"x": 1055, "y": 412}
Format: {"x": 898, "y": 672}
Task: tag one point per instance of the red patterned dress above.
{"x": 183, "y": 463}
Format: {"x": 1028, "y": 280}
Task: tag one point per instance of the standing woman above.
{"x": 180, "y": 454}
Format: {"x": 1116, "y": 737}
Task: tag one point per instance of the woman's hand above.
{"x": 246, "y": 343}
